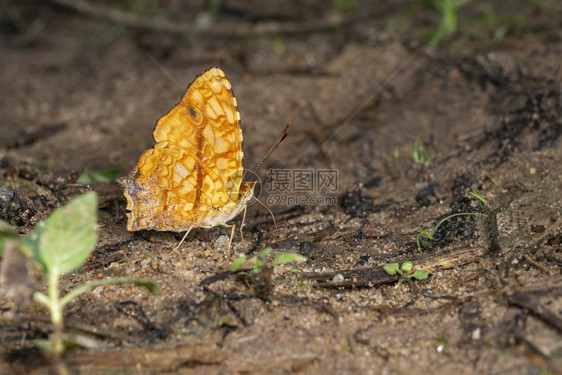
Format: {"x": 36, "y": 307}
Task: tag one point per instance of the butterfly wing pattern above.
{"x": 193, "y": 174}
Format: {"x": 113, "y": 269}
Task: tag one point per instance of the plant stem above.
{"x": 55, "y": 308}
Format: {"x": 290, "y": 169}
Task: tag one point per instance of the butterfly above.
{"x": 192, "y": 177}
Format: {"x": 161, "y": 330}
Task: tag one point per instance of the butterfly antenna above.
{"x": 271, "y": 213}
{"x": 280, "y": 139}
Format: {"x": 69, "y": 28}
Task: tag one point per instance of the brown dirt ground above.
{"x": 77, "y": 92}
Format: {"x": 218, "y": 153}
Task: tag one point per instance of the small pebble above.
{"x": 338, "y": 278}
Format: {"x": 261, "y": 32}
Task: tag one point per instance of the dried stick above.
{"x": 377, "y": 275}
{"x": 223, "y": 31}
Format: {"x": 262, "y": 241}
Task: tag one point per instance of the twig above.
{"x": 223, "y": 31}
{"x": 377, "y": 275}
{"x": 526, "y": 301}
{"x": 157, "y": 359}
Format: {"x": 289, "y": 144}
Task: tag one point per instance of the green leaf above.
{"x": 72, "y": 343}
{"x": 406, "y": 266}
{"x": 7, "y": 233}
{"x": 391, "y": 268}
{"x": 106, "y": 175}
{"x": 418, "y": 242}
{"x": 265, "y": 252}
{"x": 150, "y": 285}
{"x": 425, "y": 233}
{"x": 420, "y": 275}
{"x": 476, "y": 195}
{"x": 285, "y": 257}
{"x": 278, "y": 46}
{"x": 65, "y": 239}
{"x": 253, "y": 261}
{"x": 46, "y": 345}
{"x": 238, "y": 263}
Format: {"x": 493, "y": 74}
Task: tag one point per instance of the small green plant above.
{"x": 278, "y": 46}
{"x": 58, "y": 245}
{"x": 448, "y": 10}
{"x": 405, "y": 271}
{"x": 106, "y": 175}
{"x": 260, "y": 277}
{"x": 477, "y": 195}
{"x": 260, "y": 262}
{"x": 430, "y": 235}
{"x": 449, "y": 23}
{"x": 500, "y": 24}
{"x": 419, "y": 152}
{"x": 205, "y": 19}
{"x": 133, "y": 8}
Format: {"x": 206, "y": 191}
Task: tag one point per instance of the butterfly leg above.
{"x": 242, "y": 225}
{"x": 230, "y": 241}
{"x": 183, "y": 238}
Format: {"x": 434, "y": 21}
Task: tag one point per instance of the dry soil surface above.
{"x": 78, "y": 92}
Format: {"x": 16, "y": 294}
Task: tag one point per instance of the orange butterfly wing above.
{"x": 195, "y": 166}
